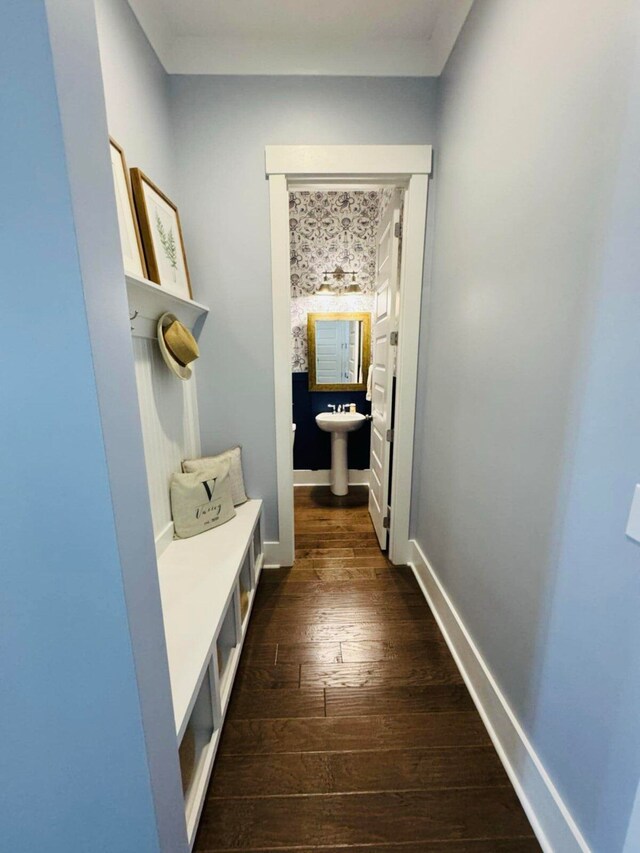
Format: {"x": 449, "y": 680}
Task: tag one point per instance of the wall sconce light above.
{"x": 338, "y": 275}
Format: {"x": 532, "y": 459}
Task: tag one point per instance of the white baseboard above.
{"x": 304, "y": 477}
{"x": 164, "y": 538}
{"x": 273, "y": 557}
{"x": 552, "y": 823}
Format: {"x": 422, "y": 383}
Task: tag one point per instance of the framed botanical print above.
{"x": 132, "y": 254}
{"x": 161, "y": 236}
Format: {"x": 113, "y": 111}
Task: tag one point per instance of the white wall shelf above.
{"x": 148, "y": 300}
{"x": 200, "y": 585}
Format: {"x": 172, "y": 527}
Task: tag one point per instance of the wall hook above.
{"x": 132, "y": 317}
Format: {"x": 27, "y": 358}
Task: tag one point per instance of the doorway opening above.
{"x": 372, "y": 353}
{"x": 345, "y": 262}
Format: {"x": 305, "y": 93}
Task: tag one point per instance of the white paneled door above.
{"x": 330, "y": 352}
{"x": 383, "y": 324}
{"x": 353, "y": 369}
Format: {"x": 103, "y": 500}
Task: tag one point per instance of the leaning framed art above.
{"x": 132, "y": 253}
{"x": 161, "y": 236}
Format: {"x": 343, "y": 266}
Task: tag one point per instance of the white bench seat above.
{"x": 198, "y": 579}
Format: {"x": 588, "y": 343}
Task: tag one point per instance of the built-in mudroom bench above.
{"x": 208, "y": 581}
{"x": 207, "y": 584}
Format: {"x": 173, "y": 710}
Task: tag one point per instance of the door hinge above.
{"x": 389, "y": 435}
{"x": 393, "y": 339}
{"x": 398, "y": 230}
{"x": 386, "y": 521}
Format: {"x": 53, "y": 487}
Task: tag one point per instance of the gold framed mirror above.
{"x": 339, "y": 351}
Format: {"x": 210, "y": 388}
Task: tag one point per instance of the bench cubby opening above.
{"x": 229, "y": 636}
{"x": 197, "y": 735}
{"x": 246, "y": 583}
{"x": 257, "y": 552}
{"x": 197, "y": 747}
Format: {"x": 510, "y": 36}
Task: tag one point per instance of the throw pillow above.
{"x": 234, "y": 457}
{"x": 200, "y": 502}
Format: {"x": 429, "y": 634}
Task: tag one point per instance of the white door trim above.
{"x": 347, "y": 161}
{"x": 384, "y": 322}
{"x": 280, "y": 553}
{"x": 411, "y": 270}
{"x": 410, "y": 165}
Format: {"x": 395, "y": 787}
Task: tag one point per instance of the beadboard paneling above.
{"x": 169, "y": 416}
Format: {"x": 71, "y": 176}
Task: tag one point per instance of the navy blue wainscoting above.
{"x": 312, "y": 448}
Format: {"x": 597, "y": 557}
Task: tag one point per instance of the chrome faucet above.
{"x": 331, "y": 406}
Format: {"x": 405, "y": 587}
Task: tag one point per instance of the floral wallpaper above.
{"x": 329, "y": 229}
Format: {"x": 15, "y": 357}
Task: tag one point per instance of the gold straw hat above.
{"x": 177, "y": 345}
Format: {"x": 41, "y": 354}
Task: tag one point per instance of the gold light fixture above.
{"x": 339, "y": 275}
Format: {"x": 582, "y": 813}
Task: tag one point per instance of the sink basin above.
{"x": 339, "y": 424}
{"x": 340, "y": 421}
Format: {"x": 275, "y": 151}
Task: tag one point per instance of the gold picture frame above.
{"x": 365, "y": 319}
{"x": 161, "y": 236}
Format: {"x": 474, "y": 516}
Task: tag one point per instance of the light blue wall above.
{"x": 73, "y": 762}
{"x": 136, "y": 91}
{"x": 81, "y": 96}
{"x": 222, "y": 125}
{"x": 593, "y": 642}
{"x": 528, "y": 417}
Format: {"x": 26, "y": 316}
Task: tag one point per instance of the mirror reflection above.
{"x": 339, "y": 351}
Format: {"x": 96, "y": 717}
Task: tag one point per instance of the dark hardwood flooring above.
{"x": 349, "y": 725}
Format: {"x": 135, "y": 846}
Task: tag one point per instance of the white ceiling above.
{"x": 329, "y": 37}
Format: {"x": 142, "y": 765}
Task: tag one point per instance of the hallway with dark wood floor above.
{"x": 349, "y": 725}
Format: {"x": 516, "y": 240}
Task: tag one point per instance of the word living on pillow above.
{"x": 200, "y": 502}
{"x": 212, "y": 510}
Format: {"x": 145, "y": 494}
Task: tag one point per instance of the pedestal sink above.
{"x": 339, "y": 424}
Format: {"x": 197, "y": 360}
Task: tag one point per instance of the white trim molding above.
{"x": 408, "y": 166}
{"x": 308, "y": 161}
{"x": 549, "y": 817}
{"x": 411, "y": 268}
{"x": 322, "y": 477}
{"x": 281, "y": 289}
{"x": 275, "y": 555}
{"x": 164, "y": 538}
